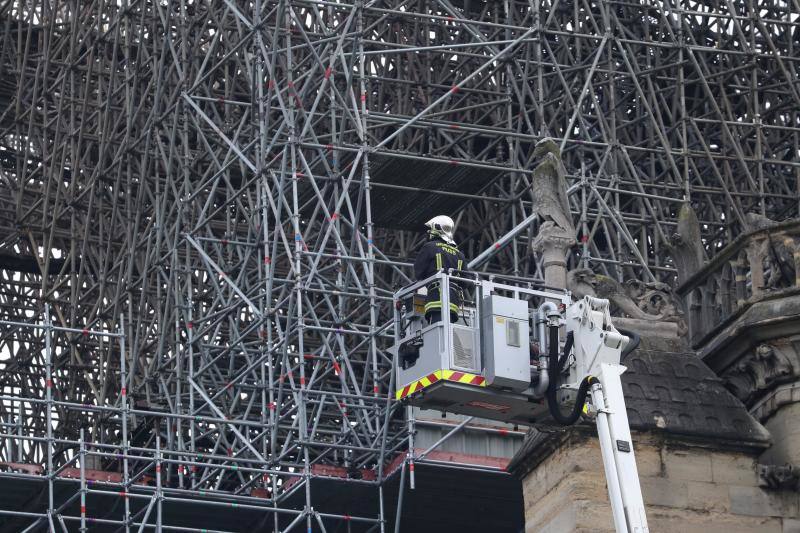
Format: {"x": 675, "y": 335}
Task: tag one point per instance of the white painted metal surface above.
{"x": 597, "y": 348}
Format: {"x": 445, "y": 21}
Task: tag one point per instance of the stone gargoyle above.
{"x": 644, "y": 301}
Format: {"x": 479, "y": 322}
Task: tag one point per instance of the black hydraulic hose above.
{"x": 632, "y": 344}
{"x": 553, "y": 365}
{"x": 555, "y": 368}
{"x": 567, "y": 348}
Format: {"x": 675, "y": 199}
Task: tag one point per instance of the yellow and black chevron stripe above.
{"x": 446, "y": 375}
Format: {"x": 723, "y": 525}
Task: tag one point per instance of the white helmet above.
{"x": 443, "y": 226}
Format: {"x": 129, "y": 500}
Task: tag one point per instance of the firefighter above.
{"x": 440, "y": 253}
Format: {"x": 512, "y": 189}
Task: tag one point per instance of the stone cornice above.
{"x": 763, "y": 321}
{"x": 775, "y": 399}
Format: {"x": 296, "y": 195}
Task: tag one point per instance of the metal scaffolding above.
{"x": 206, "y": 207}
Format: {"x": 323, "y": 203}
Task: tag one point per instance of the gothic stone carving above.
{"x": 785, "y": 477}
{"x": 774, "y": 254}
{"x": 685, "y": 244}
{"x": 550, "y": 198}
{"x": 654, "y": 302}
{"x": 761, "y": 369}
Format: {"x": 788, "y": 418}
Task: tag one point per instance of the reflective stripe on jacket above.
{"x": 436, "y": 255}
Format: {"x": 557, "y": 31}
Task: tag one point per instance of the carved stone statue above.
{"x": 653, "y": 302}
{"x": 550, "y": 190}
{"x": 765, "y": 366}
{"x": 556, "y": 232}
{"x": 756, "y": 221}
{"x": 686, "y": 245}
{"x": 777, "y": 477}
{"x": 775, "y": 253}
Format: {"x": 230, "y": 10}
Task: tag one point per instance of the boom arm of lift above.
{"x": 481, "y": 367}
{"x": 597, "y": 349}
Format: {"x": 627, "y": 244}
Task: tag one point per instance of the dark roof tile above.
{"x": 689, "y": 398}
{"x": 675, "y": 394}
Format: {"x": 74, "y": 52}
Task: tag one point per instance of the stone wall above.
{"x": 785, "y": 430}
{"x": 687, "y": 489}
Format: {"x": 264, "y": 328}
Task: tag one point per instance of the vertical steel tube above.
{"x": 381, "y": 513}
{"x": 82, "y": 452}
{"x": 159, "y": 489}
{"x": 125, "y": 411}
{"x": 410, "y": 459}
{"x": 20, "y": 426}
{"x": 49, "y": 416}
{"x": 400, "y": 492}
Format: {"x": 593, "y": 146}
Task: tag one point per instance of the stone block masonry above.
{"x": 687, "y": 488}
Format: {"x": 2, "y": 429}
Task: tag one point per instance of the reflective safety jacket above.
{"x": 434, "y": 256}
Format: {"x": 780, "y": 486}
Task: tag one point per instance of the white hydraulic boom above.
{"x": 478, "y": 363}
{"x": 597, "y": 350}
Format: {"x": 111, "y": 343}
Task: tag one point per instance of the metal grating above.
{"x": 512, "y": 333}
{"x": 463, "y": 348}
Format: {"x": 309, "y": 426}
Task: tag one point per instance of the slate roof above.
{"x": 674, "y": 394}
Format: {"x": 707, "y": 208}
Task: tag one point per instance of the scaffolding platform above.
{"x": 450, "y": 488}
